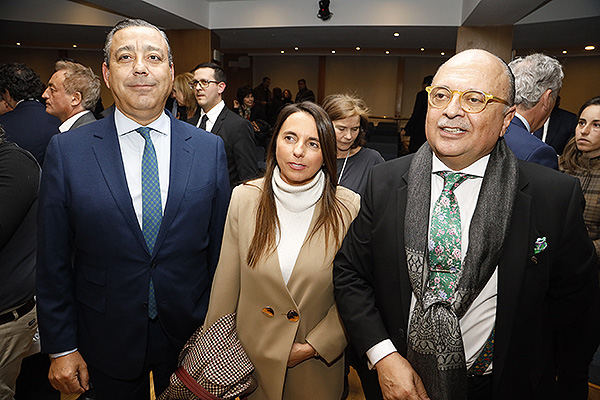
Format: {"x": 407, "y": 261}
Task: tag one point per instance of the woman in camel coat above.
{"x": 275, "y": 269}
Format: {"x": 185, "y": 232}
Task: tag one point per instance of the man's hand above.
{"x": 398, "y": 379}
{"x": 68, "y": 374}
{"x": 299, "y": 353}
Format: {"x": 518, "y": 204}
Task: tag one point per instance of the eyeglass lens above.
{"x": 470, "y": 101}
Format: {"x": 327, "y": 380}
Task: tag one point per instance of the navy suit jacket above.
{"x": 29, "y": 126}
{"x": 93, "y": 263}
{"x": 541, "y": 297}
{"x": 528, "y": 147}
{"x": 560, "y": 129}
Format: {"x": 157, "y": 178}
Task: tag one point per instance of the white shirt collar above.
{"x": 126, "y": 125}
{"x": 477, "y": 168}
{"x": 214, "y": 112}
{"x": 524, "y": 121}
{"x": 65, "y": 126}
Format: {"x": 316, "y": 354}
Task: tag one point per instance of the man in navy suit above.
{"x": 117, "y": 299}
{"x": 558, "y": 129}
{"x": 27, "y": 124}
{"x": 538, "y": 79}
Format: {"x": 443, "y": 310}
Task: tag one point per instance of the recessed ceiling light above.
{"x": 588, "y": 48}
{"x": 422, "y": 48}
{"x": 332, "y": 51}
{"x": 387, "y": 52}
{"x": 357, "y": 48}
{"x": 18, "y": 43}
{"x": 396, "y": 34}
{"x": 296, "y": 48}
{"x": 282, "y": 51}
{"x": 74, "y": 45}
{"x": 564, "y": 52}
{"x": 443, "y": 53}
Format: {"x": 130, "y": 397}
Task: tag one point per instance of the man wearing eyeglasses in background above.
{"x": 538, "y": 79}
{"x": 237, "y": 133}
{"x": 464, "y": 263}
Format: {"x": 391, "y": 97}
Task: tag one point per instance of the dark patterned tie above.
{"x": 203, "y": 121}
{"x": 151, "y": 205}
{"x": 445, "y": 237}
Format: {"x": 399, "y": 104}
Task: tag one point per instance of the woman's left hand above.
{"x": 299, "y": 353}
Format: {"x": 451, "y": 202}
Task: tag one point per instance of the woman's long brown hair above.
{"x": 332, "y": 210}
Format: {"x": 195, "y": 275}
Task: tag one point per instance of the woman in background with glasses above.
{"x": 275, "y": 270}
{"x": 350, "y": 115}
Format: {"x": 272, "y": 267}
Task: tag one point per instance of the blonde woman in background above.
{"x": 185, "y": 96}
{"x": 275, "y": 270}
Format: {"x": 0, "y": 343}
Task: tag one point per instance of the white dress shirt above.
{"x": 132, "y": 149}
{"x": 65, "y": 126}
{"x": 476, "y": 325}
{"x": 212, "y": 115}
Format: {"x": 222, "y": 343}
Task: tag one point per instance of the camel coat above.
{"x": 266, "y": 306}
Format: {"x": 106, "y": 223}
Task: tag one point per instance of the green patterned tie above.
{"x": 151, "y": 205}
{"x": 445, "y": 238}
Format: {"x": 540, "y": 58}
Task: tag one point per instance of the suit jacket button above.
{"x": 401, "y": 333}
{"x": 293, "y": 316}
{"x": 534, "y": 259}
{"x": 153, "y": 265}
{"x": 145, "y": 306}
{"x": 268, "y": 311}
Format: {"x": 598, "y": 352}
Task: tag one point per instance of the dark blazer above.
{"x": 560, "y": 129}
{"x": 528, "y": 147}
{"x": 238, "y": 135}
{"x": 31, "y": 127}
{"x": 93, "y": 263}
{"x": 85, "y": 119}
{"x": 538, "y": 296}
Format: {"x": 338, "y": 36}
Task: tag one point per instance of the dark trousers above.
{"x": 161, "y": 359}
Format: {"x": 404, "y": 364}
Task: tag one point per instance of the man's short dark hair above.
{"x": 266, "y": 78}
{"x": 20, "y": 81}
{"x": 219, "y": 72}
{"x": 302, "y": 80}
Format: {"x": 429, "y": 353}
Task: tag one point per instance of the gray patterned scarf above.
{"x": 435, "y": 347}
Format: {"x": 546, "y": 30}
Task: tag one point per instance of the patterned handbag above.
{"x": 212, "y": 366}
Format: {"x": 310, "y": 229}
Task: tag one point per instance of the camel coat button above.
{"x": 268, "y": 311}
{"x": 293, "y": 316}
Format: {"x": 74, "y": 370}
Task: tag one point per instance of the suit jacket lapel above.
{"x": 182, "y": 156}
{"x": 108, "y": 154}
{"x": 405, "y": 286}
{"x": 511, "y": 268}
{"x": 219, "y": 122}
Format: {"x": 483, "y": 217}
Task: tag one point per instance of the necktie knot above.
{"x": 144, "y": 131}
{"x": 452, "y": 180}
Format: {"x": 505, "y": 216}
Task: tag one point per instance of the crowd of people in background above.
{"x": 139, "y": 208}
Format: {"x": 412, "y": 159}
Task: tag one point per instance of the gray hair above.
{"x": 79, "y": 78}
{"x": 535, "y": 74}
{"x": 128, "y": 23}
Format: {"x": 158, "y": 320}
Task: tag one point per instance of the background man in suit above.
{"x": 72, "y": 92}
{"x": 237, "y": 133}
{"x": 27, "y": 124}
{"x": 507, "y": 255}
{"x": 558, "y": 129}
{"x": 304, "y": 93}
{"x": 132, "y": 210}
{"x": 538, "y": 79}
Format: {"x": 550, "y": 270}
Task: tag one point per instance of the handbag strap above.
{"x": 194, "y": 386}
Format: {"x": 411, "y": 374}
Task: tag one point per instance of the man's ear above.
{"x": 546, "y": 100}
{"x": 76, "y": 99}
{"x": 221, "y": 87}
{"x": 105, "y": 74}
{"x": 508, "y": 116}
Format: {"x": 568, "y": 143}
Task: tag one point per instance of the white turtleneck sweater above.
{"x": 295, "y": 208}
